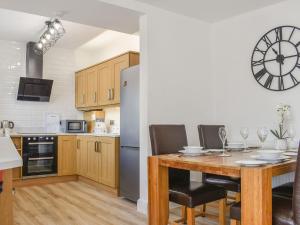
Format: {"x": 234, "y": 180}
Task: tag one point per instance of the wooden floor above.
{"x": 76, "y": 203}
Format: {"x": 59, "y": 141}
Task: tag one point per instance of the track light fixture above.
{"x": 53, "y": 32}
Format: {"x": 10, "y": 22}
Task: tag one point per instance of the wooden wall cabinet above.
{"x": 81, "y": 89}
{"x": 66, "y": 155}
{"x": 99, "y": 85}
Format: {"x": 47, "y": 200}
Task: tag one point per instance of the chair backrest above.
{"x": 168, "y": 139}
{"x": 296, "y": 192}
{"x": 209, "y": 136}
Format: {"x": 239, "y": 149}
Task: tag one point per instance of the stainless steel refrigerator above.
{"x": 129, "y": 134}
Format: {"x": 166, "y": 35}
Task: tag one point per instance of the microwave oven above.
{"x": 73, "y": 126}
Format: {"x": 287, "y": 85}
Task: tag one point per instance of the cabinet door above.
{"x": 105, "y": 83}
{"x": 118, "y": 65}
{"x": 82, "y": 160}
{"x": 81, "y": 88}
{"x": 92, "y": 86}
{"x": 66, "y": 155}
{"x": 93, "y": 159}
{"x": 109, "y": 161}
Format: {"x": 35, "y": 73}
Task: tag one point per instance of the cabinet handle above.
{"x": 112, "y": 94}
{"x": 108, "y": 96}
{"x": 78, "y": 144}
{"x": 96, "y": 146}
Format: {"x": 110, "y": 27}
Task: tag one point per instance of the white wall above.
{"x": 239, "y": 99}
{"x": 107, "y": 45}
{"x": 59, "y": 65}
{"x": 175, "y": 76}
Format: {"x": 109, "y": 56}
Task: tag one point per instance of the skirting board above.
{"x": 142, "y": 206}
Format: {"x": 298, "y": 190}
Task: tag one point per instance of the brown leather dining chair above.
{"x": 209, "y": 139}
{"x": 285, "y": 210}
{"x": 169, "y": 139}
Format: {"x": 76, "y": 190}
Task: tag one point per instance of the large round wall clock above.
{"x": 275, "y": 59}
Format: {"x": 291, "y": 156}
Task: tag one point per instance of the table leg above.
{"x": 158, "y": 193}
{"x": 256, "y": 185}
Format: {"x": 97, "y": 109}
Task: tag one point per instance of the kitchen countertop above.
{"x": 9, "y": 156}
{"x": 65, "y": 134}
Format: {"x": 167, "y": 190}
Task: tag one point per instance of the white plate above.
{"x": 233, "y": 144}
{"x": 193, "y": 149}
{"x": 280, "y": 159}
{"x": 251, "y": 162}
{"x": 292, "y": 150}
{"x": 234, "y": 147}
{"x": 215, "y": 150}
{"x": 193, "y": 154}
{"x": 291, "y": 153}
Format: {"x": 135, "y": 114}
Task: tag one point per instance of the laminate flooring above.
{"x": 77, "y": 203}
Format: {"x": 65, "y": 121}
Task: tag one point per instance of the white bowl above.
{"x": 270, "y": 154}
{"x": 193, "y": 149}
{"x": 235, "y": 144}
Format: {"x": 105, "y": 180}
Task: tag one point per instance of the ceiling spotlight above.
{"x": 39, "y": 45}
{"x": 53, "y": 32}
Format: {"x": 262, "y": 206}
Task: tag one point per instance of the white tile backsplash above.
{"x": 59, "y": 65}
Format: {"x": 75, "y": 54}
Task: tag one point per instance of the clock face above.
{"x": 275, "y": 59}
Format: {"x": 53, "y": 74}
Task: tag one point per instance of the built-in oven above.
{"x": 73, "y": 126}
{"x": 39, "y": 156}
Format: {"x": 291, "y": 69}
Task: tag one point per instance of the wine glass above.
{"x": 262, "y": 134}
{"x": 245, "y": 134}
{"x": 223, "y": 137}
{"x": 291, "y": 133}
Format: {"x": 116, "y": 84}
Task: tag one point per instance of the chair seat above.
{"x": 195, "y": 194}
{"x": 281, "y": 209}
{"x": 235, "y": 211}
{"x": 285, "y": 190}
{"x": 229, "y": 183}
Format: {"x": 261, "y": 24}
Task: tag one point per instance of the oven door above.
{"x": 33, "y": 166}
{"x": 40, "y": 149}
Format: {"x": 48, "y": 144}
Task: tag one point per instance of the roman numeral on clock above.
{"x": 278, "y": 32}
{"x": 267, "y": 41}
{"x": 280, "y": 83}
{"x": 268, "y": 82}
{"x": 295, "y": 81}
{"x": 260, "y": 51}
{"x": 258, "y": 63}
{"x": 260, "y": 74}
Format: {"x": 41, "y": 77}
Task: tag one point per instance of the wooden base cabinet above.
{"x": 93, "y": 165}
{"x": 6, "y": 199}
{"x": 66, "y": 155}
{"x": 82, "y": 154}
{"x": 109, "y": 162}
{"x": 99, "y": 85}
{"x": 98, "y": 159}
{"x": 17, "y": 172}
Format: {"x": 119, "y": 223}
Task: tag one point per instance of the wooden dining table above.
{"x": 256, "y": 183}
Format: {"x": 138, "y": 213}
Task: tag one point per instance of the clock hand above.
{"x": 285, "y": 57}
{"x": 275, "y": 51}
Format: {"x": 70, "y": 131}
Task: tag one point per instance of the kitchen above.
{"x": 61, "y": 109}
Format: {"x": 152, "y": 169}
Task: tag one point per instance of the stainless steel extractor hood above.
{"x": 33, "y": 87}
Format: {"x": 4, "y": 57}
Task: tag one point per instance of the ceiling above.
{"x": 24, "y": 27}
{"x": 88, "y": 12}
{"x": 210, "y": 10}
